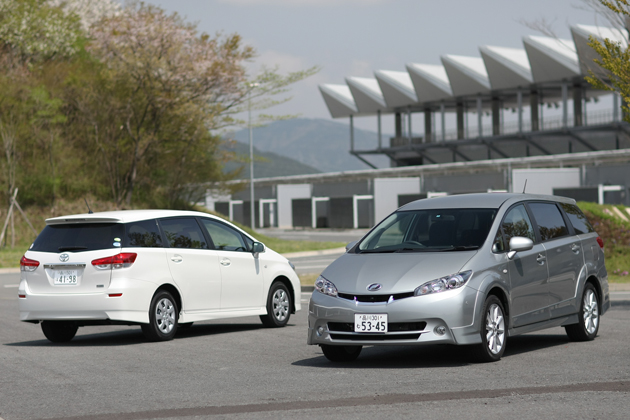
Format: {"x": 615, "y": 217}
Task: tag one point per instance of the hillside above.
{"x": 266, "y": 164}
{"x": 318, "y": 143}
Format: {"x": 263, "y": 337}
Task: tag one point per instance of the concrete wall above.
{"x": 543, "y": 181}
{"x": 286, "y": 194}
{"x": 386, "y": 192}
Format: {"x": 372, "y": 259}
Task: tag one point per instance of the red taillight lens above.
{"x": 600, "y": 241}
{"x": 122, "y": 260}
{"x": 26, "y": 264}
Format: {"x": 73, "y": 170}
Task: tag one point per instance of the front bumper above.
{"x": 412, "y": 321}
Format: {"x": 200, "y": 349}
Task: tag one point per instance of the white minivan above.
{"x": 160, "y": 269}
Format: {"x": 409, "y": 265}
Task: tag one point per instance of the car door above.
{"x": 241, "y": 273}
{"x": 564, "y": 256}
{"x": 193, "y": 265}
{"x": 527, "y": 270}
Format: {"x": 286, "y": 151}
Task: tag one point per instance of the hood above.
{"x": 398, "y": 273}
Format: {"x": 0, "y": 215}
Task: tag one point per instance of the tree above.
{"x": 614, "y": 54}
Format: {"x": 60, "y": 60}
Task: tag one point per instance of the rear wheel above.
{"x": 492, "y": 331}
{"x": 59, "y": 331}
{"x": 278, "y": 306}
{"x": 341, "y": 353}
{"x": 587, "y": 328}
{"x": 163, "y": 315}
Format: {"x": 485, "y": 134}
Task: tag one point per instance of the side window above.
{"x": 549, "y": 220}
{"x": 516, "y": 223}
{"x": 143, "y": 234}
{"x": 183, "y": 233}
{"x": 224, "y": 237}
{"x": 577, "y": 219}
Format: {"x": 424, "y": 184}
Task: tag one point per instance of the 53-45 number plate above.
{"x": 370, "y": 323}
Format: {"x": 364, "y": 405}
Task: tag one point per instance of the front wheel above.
{"x": 278, "y": 306}
{"x": 587, "y": 328}
{"x": 341, "y": 353}
{"x": 59, "y": 331}
{"x": 163, "y": 315}
{"x": 492, "y": 331}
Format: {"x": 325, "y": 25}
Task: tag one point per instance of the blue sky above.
{"x": 356, "y": 37}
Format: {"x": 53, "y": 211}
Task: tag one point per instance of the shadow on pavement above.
{"x": 433, "y": 356}
{"x": 133, "y": 335}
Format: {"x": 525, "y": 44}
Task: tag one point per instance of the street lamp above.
{"x": 251, "y": 158}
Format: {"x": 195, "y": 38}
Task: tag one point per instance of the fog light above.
{"x": 320, "y": 331}
{"x": 441, "y": 330}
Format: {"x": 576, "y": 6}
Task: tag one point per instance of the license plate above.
{"x": 370, "y": 323}
{"x": 66, "y": 277}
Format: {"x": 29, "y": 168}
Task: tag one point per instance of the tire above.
{"x": 59, "y": 331}
{"x": 586, "y": 329}
{"x": 493, "y": 334}
{"x": 163, "y": 315}
{"x": 278, "y": 306}
{"x": 341, "y": 353}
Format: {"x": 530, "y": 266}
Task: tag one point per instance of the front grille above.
{"x": 391, "y": 327}
{"x": 375, "y": 298}
{"x": 374, "y": 337}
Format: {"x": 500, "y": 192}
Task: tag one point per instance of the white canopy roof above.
{"x": 468, "y": 75}
{"x": 507, "y": 67}
{"x": 430, "y": 82}
{"x": 367, "y": 94}
{"x": 551, "y": 59}
{"x": 585, "y": 53}
{"x": 397, "y": 88}
{"x": 339, "y": 100}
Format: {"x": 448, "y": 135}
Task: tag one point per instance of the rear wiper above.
{"x": 461, "y": 248}
{"x": 71, "y": 248}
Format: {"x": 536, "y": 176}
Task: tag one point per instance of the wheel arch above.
{"x": 174, "y": 292}
{"x": 598, "y": 288}
{"x": 284, "y": 280}
{"x": 503, "y": 297}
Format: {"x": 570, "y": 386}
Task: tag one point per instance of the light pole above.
{"x": 251, "y": 158}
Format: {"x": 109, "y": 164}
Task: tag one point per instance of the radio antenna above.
{"x": 88, "y": 206}
{"x": 524, "y": 186}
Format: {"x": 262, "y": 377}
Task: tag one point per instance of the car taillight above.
{"x": 26, "y": 264}
{"x": 600, "y": 241}
{"x": 122, "y": 260}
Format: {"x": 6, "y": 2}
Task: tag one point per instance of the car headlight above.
{"x": 324, "y": 286}
{"x": 291, "y": 264}
{"x": 454, "y": 281}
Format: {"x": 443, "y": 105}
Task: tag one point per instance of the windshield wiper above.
{"x": 461, "y": 248}
{"x": 71, "y": 248}
{"x": 378, "y": 251}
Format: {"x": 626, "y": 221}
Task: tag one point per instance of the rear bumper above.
{"x": 132, "y": 306}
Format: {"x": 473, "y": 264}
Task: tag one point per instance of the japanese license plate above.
{"x": 370, "y": 323}
{"x": 66, "y": 277}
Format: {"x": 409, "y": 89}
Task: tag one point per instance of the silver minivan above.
{"x": 469, "y": 269}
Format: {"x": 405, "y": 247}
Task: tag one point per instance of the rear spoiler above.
{"x": 80, "y": 218}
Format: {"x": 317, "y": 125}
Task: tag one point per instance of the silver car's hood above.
{"x": 397, "y": 273}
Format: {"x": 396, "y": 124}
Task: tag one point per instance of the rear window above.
{"x": 79, "y": 237}
{"x": 577, "y": 219}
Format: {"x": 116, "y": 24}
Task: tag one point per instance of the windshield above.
{"x": 430, "y": 231}
{"x": 79, "y": 237}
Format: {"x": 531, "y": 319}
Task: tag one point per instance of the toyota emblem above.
{"x": 64, "y": 257}
{"x": 374, "y": 287}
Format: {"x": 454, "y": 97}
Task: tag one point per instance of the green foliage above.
{"x": 117, "y": 102}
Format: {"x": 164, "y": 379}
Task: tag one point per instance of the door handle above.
{"x": 225, "y": 262}
{"x": 575, "y": 248}
{"x": 541, "y": 259}
{"x": 177, "y": 258}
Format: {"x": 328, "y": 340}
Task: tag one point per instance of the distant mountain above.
{"x": 266, "y": 164}
{"x": 318, "y": 143}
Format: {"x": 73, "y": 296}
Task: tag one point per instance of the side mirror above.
{"x": 350, "y": 245}
{"x": 519, "y": 243}
{"x": 257, "y": 248}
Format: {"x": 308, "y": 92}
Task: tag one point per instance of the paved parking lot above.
{"x": 238, "y": 369}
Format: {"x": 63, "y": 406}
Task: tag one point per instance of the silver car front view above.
{"x": 468, "y": 270}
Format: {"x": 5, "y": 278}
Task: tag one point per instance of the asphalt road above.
{"x": 239, "y": 370}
